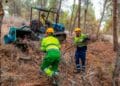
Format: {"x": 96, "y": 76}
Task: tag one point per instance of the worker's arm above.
{"x": 58, "y": 44}
{"x": 86, "y": 39}
{"x": 43, "y": 48}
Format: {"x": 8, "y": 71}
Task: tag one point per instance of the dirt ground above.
{"x": 18, "y": 71}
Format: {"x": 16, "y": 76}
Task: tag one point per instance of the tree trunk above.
{"x": 1, "y": 17}
{"x": 74, "y": 21}
{"x": 86, "y": 8}
{"x": 115, "y": 36}
{"x": 44, "y": 3}
{"x": 79, "y": 12}
{"x": 59, "y": 8}
{"x": 116, "y": 73}
{"x": 104, "y": 6}
{"x": 72, "y": 15}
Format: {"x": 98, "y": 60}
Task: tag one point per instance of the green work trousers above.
{"x": 51, "y": 60}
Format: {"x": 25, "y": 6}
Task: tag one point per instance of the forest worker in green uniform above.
{"x": 80, "y": 41}
{"x": 51, "y": 46}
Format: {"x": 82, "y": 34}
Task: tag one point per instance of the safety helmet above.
{"x": 77, "y": 30}
{"x": 50, "y": 30}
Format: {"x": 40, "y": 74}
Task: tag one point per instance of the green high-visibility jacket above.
{"x": 50, "y": 42}
{"x": 79, "y": 40}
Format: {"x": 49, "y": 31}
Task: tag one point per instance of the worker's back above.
{"x": 50, "y": 42}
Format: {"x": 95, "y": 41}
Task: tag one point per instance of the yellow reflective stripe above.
{"x": 48, "y": 71}
{"x": 51, "y": 44}
{"x": 51, "y": 47}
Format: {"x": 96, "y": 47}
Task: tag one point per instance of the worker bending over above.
{"x": 51, "y": 46}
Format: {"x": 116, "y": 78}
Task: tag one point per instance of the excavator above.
{"x": 36, "y": 30}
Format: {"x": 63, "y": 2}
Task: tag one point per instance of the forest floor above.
{"x": 22, "y": 69}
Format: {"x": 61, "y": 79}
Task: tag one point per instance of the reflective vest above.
{"x": 50, "y": 42}
{"x": 79, "y": 40}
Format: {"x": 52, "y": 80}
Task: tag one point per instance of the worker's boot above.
{"x": 83, "y": 69}
{"x": 55, "y": 78}
{"x": 78, "y": 69}
{"x": 55, "y": 81}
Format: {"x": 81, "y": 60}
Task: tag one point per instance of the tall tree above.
{"x": 15, "y": 7}
{"x": 71, "y": 19}
{"x": 86, "y": 8}
{"x": 103, "y": 12}
{"x": 74, "y": 20}
{"x": 116, "y": 72}
{"x": 108, "y": 17}
{"x": 1, "y": 17}
{"x": 53, "y": 4}
{"x": 42, "y": 3}
{"x": 59, "y": 8}
{"x": 79, "y": 12}
{"x": 115, "y": 37}
{"x": 45, "y": 3}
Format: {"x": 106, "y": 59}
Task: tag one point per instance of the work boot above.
{"x": 55, "y": 80}
{"x": 56, "y": 73}
{"x": 83, "y": 70}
